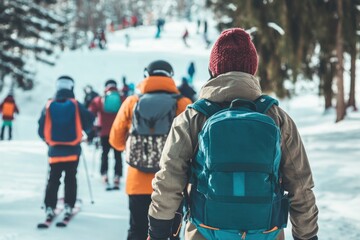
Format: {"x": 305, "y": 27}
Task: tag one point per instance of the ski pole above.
{"x": 87, "y": 178}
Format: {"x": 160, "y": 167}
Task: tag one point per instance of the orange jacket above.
{"x": 138, "y": 182}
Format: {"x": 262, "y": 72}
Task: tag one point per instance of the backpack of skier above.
{"x": 112, "y": 102}
{"x": 8, "y": 109}
{"x": 236, "y": 185}
{"x": 151, "y": 122}
{"x": 62, "y": 123}
{"x": 112, "y": 99}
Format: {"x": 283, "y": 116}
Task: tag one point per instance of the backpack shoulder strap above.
{"x": 205, "y": 107}
{"x": 264, "y": 103}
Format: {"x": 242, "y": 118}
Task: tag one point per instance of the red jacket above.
{"x": 105, "y": 120}
{"x": 8, "y": 108}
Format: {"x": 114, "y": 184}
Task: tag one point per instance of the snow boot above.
{"x": 50, "y": 213}
{"x": 116, "y": 182}
{"x": 68, "y": 210}
{"x": 105, "y": 178}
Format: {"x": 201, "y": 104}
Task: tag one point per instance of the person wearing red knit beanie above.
{"x": 232, "y": 66}
{"x": 233, "y": 51}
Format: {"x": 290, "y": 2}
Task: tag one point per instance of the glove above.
{"x": 159, "y": 229}
{"x": 313, "y": 238}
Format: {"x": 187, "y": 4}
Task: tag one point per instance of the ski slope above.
{"x": 333, "y": 149}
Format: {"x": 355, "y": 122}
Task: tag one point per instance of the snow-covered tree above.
{"x": 27, "y": 33}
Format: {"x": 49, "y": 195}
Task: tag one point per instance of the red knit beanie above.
{"x": 233, "y": 51}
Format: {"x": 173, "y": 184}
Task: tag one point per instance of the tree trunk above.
{"x": 351, "y": 101}
{"x": 340, "y": 103}
{"x": 328, "y": 81}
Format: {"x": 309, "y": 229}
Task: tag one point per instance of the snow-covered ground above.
{"x": 333, "y": 149}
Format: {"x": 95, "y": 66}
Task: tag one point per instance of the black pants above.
{"x": 3, "y": 132}
{"x": 104, "y": 157}
{"x": 56, "y": 169}
{"x": 139, "y": 207}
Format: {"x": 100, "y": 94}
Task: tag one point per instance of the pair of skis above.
{"x": 63, "y": 223}
{"x": 66, "y": 219}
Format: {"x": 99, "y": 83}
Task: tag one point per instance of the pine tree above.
{"x": 26, "y": 32}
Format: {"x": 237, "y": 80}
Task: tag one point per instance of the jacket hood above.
{"x": 9, "y": 98}
{"x": 64, "y": 94}
{"x": 229, "y": 86}
{"x": 158, "y": 83}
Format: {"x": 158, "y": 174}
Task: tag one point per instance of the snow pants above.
{"x": 56, "y": 169}
{"x": 104, "y": 158}
{"x": 9, "y": 125}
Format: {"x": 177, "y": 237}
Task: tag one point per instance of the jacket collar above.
{"x": 64, "y": 94}
{"x": 229, "y": 86}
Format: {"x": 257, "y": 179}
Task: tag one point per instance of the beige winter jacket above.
{"x": 171, "y": 180}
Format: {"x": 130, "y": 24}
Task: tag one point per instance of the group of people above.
{"x": 99, "y": 40}
{"x": 65, "y": 146}
{"x": 227, "y": 159}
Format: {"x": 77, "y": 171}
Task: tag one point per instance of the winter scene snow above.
{"x": 49, "y": 49}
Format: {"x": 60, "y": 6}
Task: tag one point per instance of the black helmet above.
{"x": 159, "y": 68}
{"x": 110, "y": 83}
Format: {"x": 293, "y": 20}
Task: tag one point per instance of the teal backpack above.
{"x": 112, "y": 102}
{"x": 236, "y": 185}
